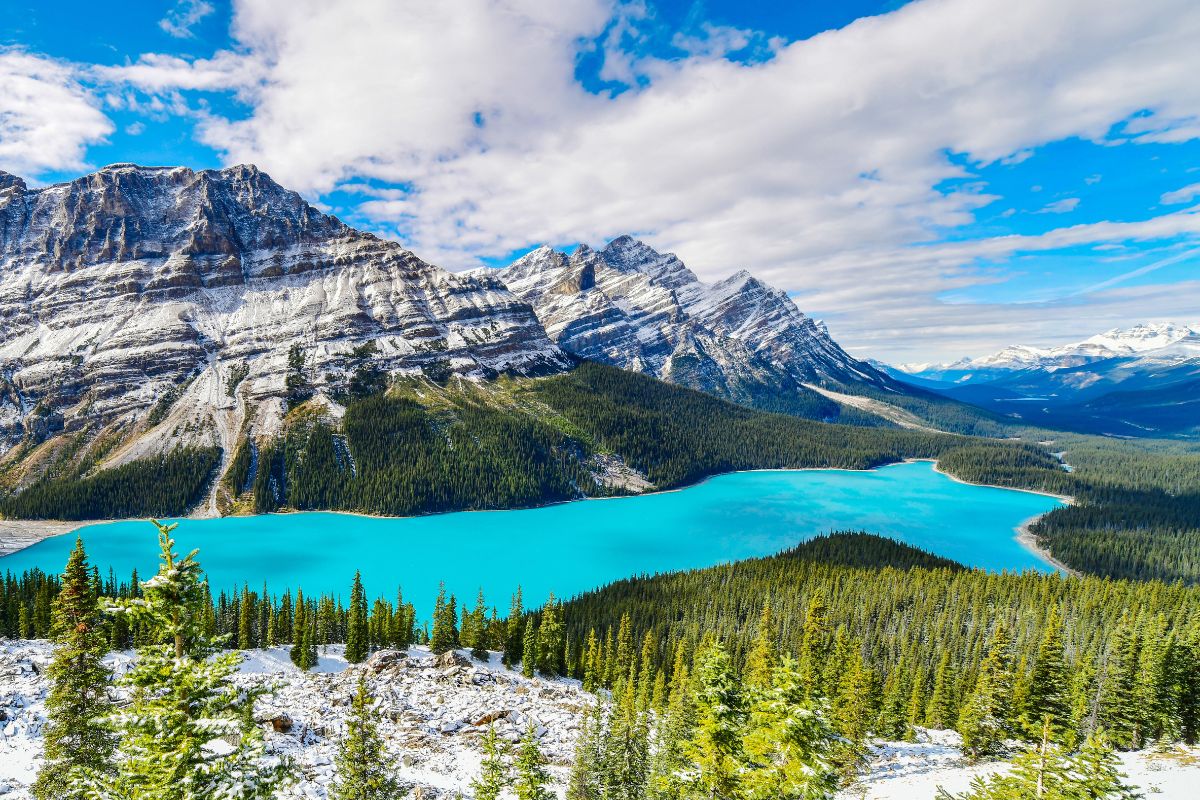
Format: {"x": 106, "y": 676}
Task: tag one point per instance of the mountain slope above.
{"x": 633, "y": 307}
{"x": 225, "y": 294}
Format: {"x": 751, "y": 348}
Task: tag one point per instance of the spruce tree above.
{"x": 77, "y": 742}
{"x": 671, "y": 733}
{"x": 714, "y": 754}
{"x": 530, "y": 767}
{"x": 626, "y": 749}
{"x": 1119, "y": 713}
{"x": 445, "y": 624}
{"x": 1047, "y": 697}
{"x": 816, "y": 644}
{"x": 183, "y": 698}
{"x": 357, "y": 645}
{"x": 586, "y": 781}
{"x": 514, "y": 635}
{"x": 529, "y": 652}
{"x": 550, "y": 640}
{"x": 479, "y": 647}
{"x": 985, "y": 719}
{"x": 363, "y": 768}
{"x": 493, "y": 770}
{"x": 789, "y": 743}
{"x": 942, "y": 710}
{"x": 763, "y": 656}
{"x": 1096, "y": 772}
{"x": 245, "y": 639}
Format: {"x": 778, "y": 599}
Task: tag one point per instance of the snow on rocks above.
{"x": 432, "y": 712}
{"x": 915, "y": 770}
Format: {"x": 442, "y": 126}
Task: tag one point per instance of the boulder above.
{"x": 451, "y": 658}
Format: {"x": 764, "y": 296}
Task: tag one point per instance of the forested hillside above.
{"x": 913, "y": 635}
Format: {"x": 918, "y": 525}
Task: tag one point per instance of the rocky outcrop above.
{"x": 135, "y": 288}
{"x": 633, "y": 307}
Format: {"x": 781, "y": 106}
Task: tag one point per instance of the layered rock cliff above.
{"x": 633, "y": 307}
{"x": 209, "y": 289}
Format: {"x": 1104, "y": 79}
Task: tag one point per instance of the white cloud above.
{"x": 815, "y": 168}
{"x": 1060, "y": 206}
{"x": 1184, "y": 195}
{"x": 180, "y": 20}
{"x": 47, "y": 119}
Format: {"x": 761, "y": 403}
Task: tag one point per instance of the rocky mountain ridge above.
{"x": 135, "y": 284}
{"x": 630, "y": 306}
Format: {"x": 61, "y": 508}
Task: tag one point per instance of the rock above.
{"x": 386, "y": 659}
{"x": 490, "y": 717}
{"x": 451, "y": 658}
{"x": 281, "y": 723}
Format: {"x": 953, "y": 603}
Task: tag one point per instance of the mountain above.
{"x": 1116, "y": 343}
{"x": 187, "y": 305}
{"x": 633, "y": 307}
{"x": 1142, "y": 381}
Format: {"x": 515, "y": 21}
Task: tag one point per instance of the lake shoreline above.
{"x": 17, "y": 535}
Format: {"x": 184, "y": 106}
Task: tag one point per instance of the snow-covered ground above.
{"x": 915, "y": 770}
{"x": 432, "y": 717}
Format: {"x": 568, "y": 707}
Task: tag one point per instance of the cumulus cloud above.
{"x": 47, "y": 119}
{"x": 815, "y": 166}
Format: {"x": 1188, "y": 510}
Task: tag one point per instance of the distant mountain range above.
{"x": 1141, "y": 381}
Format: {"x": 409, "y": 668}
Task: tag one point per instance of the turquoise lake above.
{"x": 572, "y": 547}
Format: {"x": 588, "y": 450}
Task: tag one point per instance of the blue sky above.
{"x": 936, "y": 178}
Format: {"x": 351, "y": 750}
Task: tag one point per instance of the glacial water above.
{"x": 572, "y": 547}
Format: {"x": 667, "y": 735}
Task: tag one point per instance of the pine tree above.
{"x": 586, "y": 781}
{"x": 362, "y": 764}
{"x": 763, "y": 656}
{"x": 529, "y": 652}
{"x": 942, "y": 713}
{"x": 479, "y": 647}
{"x": 357, "y": 645}
{"x": 182, "y": 698}
{"x": 550, "y": 639}
{"x": 493, "y": 770}
{"x": 815, "y": 646}
{"x": 1048, "y": 685}
{"x": 789, "y": 742}
{"x": 626, "y": 749}
{"x": 445, "y": 623}
{"x": 714, "y": 753}
{"x": 1096, "y": 773}
{"x": 77, "y": 743}
{"x": 984, "y": 722}
{"x": 514, "y": 635}
{"x": 530, "y": 767}
{"x": 1119, "y": 714}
